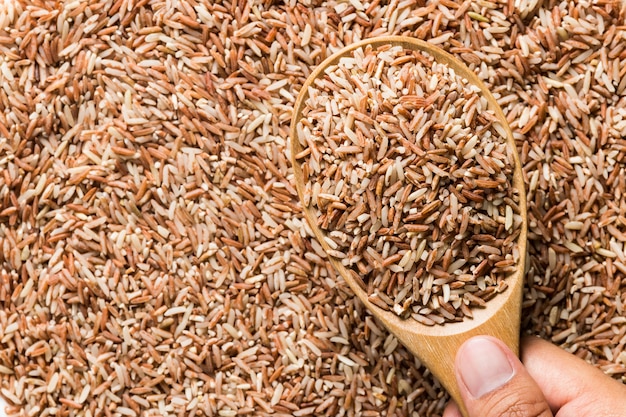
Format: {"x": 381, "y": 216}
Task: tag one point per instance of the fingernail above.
{"x": 483, "y": 366}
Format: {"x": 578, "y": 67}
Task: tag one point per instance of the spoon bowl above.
{"x": 435, "y": 346}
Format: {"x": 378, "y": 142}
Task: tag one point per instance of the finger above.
{"x": 494, "y": 383}
{"x": 571, "y": 384}
{"x": 452, "y": 410}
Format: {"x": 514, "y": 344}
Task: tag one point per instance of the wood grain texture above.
{"x": 435, "y": 346}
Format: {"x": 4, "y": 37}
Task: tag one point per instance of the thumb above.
{"x": 494, "y": 383}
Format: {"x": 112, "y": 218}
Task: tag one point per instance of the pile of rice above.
{"x": 155, "y": 260}
{"x": 409, "y": 173}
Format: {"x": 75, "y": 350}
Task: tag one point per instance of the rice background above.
{"x": 154, "y": 257}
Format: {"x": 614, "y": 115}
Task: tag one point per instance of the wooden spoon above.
{"x": 435, "y": 346}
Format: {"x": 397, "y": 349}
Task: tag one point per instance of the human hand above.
{"x": 550, "y": 382}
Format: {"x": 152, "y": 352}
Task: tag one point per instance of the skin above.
{"x": 548, "y": 382}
